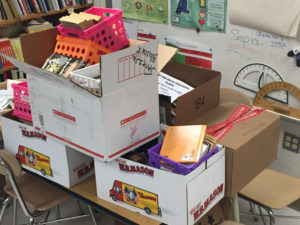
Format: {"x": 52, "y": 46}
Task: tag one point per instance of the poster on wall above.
{"x": 146, "y": 10}
{"x": 209, "y": 15}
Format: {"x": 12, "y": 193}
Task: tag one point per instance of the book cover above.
{"x": 55, "y": 63}
{"x": 71, "y": 65}
{"x": 184, "y": 143}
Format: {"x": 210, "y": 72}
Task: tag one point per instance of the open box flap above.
{"x": 37, "y": 47}
{"x": 128, "y": 66}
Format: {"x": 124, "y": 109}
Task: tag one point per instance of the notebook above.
{"x": 184, "y": 144}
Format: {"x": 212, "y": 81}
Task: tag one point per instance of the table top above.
{"x": 87, "y": 190}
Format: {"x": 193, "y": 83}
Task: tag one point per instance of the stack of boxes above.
{"x": 79, "y": 126}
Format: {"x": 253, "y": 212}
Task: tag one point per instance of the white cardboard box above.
{"x": 44, "y": 156}
{"x": 168, "y": 197}
{"x": 125, "y": 117}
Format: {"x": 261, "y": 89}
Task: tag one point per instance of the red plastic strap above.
{"x": 238, "y": 112}
{"x": 254, "y": 112}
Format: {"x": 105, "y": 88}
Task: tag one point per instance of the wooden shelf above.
{"x": 7, "y": 69}
{"x": 38, "y": 15}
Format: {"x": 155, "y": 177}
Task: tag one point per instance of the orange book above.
{"x": 184, "y": 143}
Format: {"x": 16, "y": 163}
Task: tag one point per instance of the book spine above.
{"x": 36, "y": 6}
{"x": 23, "y": 3}
{"x": 13, "y": 8}
{"x": 18, "y": 7}
{"x": 7, "y": 10}
{"x": 3, "y": 11}
{"x": 46, "y": 5}
{"x": 31, "y": 6}
{"x": 27, "y": 6}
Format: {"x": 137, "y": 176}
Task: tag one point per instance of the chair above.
{"x": 31, "y": 192}
{"x": 271, "y": 190}
{"x": 232, "y": 95}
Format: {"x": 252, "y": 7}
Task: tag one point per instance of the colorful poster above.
{"x": 147, "y": 10}
{"x": 207, "y": 15}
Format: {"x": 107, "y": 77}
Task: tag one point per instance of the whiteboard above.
{"x": 236, "y": 48}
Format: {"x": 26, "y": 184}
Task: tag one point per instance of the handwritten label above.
{"x": 146, "y": 59}
{"x": 245, "y": 39}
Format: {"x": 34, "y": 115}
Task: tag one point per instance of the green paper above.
{"x": 151, "y": 11}
{"x": 207, "y": 15}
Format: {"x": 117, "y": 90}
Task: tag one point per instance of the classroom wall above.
{"x": 233, "y": 50}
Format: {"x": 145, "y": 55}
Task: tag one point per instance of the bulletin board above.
{"x": 238, "y": 53}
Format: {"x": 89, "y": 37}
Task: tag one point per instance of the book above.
{"x": 36, "y": 25}
{"x": 17, "y": 48}
{"x": 3, "y": 14}
{"x": 7, "y": 9}
{"x": 184, "y": 144}
{"x": 13, "y": 9}
{"x": 55, "y": 63}
{"x": 71, "y": 65}
{"x": 6, "y": 48}
{"x": 18, "y": 7}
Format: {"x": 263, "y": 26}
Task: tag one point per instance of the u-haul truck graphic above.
{"x": 34, "y": 159}
{"x": 136, "y": 197}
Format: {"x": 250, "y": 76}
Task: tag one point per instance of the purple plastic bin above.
{"x": 161, "y": 162}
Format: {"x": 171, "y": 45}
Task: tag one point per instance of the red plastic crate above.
{"x": 21, "y": 101}
{"x": 110, "y": 32}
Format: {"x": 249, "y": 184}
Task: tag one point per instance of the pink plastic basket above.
{"x": 21, "y": 101}
{"x": 110, "y": 32}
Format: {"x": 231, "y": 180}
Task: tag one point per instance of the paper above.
{"x": 151, "y": 11}
{"x": 3, "y": 99}
{"x": 205, "y": 15}
{"x": 170, "y": 86}
{"x": 131, "y": 27}
{"x": 196, "y": 54}
{"x": 274, "y": 16}
{"x": 10, "y": 90}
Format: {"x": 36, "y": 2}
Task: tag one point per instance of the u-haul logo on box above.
{"x": 198, "y": 210}
{"x": 32, "y": 134}
{"x": 136, "y": 169}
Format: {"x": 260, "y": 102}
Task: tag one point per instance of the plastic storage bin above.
{"x": 110, "y": 32}
{"x": 79, "y": 48}
{"x": 161, "y": 162}
{"x": 21, "y": 101}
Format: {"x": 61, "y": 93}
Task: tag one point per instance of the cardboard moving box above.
{"x": 40, "y": 154}
{"x": 251, "y": 145}
{"x": 168, "y": 197}
{"x": 123, "y": 118}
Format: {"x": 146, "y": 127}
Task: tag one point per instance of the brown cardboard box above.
{"x": 251, "y": 145}
{"x": 212, "y": 217}
{"x": 204, "y": 97}
{"x": 80, "y": 21}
